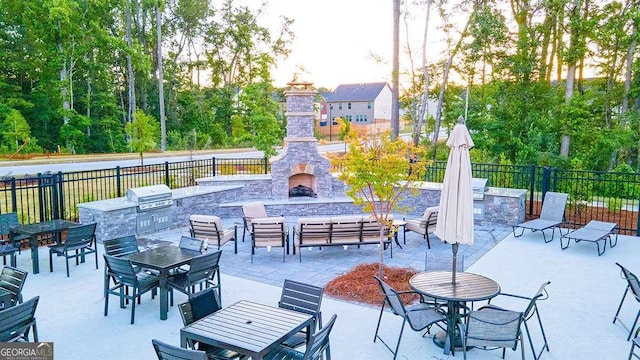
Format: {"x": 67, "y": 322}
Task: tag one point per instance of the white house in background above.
{"x": 361, "y": 104}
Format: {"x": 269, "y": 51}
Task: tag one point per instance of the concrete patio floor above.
{"x": 584, "y": 293}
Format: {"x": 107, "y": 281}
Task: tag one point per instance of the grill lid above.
{"x": 479, "y": 186}
{"x": 150, "y": 197}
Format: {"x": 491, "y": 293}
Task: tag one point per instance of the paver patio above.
{"x": 584, "y": 293}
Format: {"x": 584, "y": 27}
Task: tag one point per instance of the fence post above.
{"x": 213, "y": 166}
{"x": 14, "y": 196}
{"x": 166, "y": 174}
{"x": 546, "y": 180}
{"x": 532, "y": 188}
{"x": 266, "y": 165}
{"x": 41, "y": 199}
{"x": 118, "y": 183}
{"x": 55, "y": 195}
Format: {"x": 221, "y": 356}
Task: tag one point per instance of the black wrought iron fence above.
{"x": 604, "y": 196}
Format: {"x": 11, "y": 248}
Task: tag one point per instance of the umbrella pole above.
{"x": 454, "y": 247}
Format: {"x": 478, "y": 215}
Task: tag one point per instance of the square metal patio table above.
{"x": 247, "y": 328}
{"x": 54, "y": 227}
{"x": 163, "y": 259}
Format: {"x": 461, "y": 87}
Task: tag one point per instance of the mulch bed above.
{"x": 359, "y": 285}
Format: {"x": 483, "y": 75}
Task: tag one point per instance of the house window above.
{"x": 349, "y": 106}
{"x": 369, "y": 105}
{"x": 340, "y": 106}
{"x": 348, "y": 117}
{"x": 364, "y": 118}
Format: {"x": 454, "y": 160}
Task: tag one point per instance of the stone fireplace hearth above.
{"x": 300, "y": 163}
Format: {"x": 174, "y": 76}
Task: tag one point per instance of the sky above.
{"x": 334, "y": 40}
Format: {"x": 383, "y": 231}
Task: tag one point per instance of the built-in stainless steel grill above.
{"x": 479, "y": 187}
{"x": 150, "y": 197}
{"x": 153, "y": 203}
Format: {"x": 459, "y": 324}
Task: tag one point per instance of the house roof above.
{"x": 356, "y": 92}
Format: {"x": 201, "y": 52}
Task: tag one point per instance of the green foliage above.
{"x": 144, "y": 131}
{"x": 614, "y": 204}
{"x": 15, "y": 130}
{"x": 74, "y": 133}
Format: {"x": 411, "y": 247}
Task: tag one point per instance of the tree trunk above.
{"x": 568, "y": 95}
{"x": 163, "y": 126}
{"x": 395, "y": 72}
{"x": 131, "y": 77}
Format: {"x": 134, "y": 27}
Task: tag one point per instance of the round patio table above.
{"x": 468, "y": 287}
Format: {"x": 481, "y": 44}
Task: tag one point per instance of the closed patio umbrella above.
{"x": 455, "y": 218}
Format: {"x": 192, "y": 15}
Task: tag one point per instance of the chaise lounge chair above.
{"x": 594, "y": 231}
{"x": 551, "y": 216}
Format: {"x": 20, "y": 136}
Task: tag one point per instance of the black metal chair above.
{"x": 12, "y": 280}
{"x": 8, "y": 220}
{"x": 124, "y": 275}
{"x": 304, "y": 298}
{"x": 528, "y": 313}
{"x": 121, "y": 246}
{"x": 419, "y": 316}
{"x": 200, "y": 305}
{"x": 165, "y": 351}
{"x": 491, "y": 329}
{"x": 635, "y": 343}
{"x": 318, "y": 345}
{"x": 202, "y": 270}
{"x": 18, "y": 321}
{"x": 81, "y": 240}
{"x": 634, "y": 285}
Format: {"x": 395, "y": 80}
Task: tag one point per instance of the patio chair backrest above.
{"x": 553, "y": 206}
{"x": 493, "y": 327}
{"x": 632, "y": 281}
{"x": 205, "y": 227}
{"x": 200, "y": 304}
{"x": 165, "y": 351}
{"x": 83, "y": 234}
{"x": 8, "y": 220}
{"x": 122, "y": 270}
{"x": 542, "y": 294}
{"x": 301, "y": 297}
{"x": 268, "y": 229}
{"x": 319, "y": 341}
{"x": 12, "y": 280}
{"x": 392, "y": 298}
{"x": 121, "y": 246}
{"x": 189, "y": 243}
{"x": 203, "y": 267}
{"x": 254, "y": 210}
{"x": 16, "y": 321}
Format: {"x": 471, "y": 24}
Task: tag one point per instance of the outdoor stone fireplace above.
{"x": 300, "y": 164}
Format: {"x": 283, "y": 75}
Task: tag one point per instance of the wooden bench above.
{"x": 338, "y": 231}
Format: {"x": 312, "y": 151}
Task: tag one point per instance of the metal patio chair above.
{"x": 551, "y": 216}
{"x": 633, "y": 284}
{"x": 250, "y": 211}
{"x": 528, "y": 313}
{"x": 304, "y": 298}
{"x": 81, "y": 240}
{"x": 209, "y": 229}
{"x": 419, "y": 316}
{"x": 269, "y": 233}
{"x": 318, "y": 345}
{"x": 165, "y": 351}
{"x": 200, "y": 305}
{"x": 491, "y": 329}
{"x": 423, "y": 226}
{"x": 18, "y": 321}
{"x": 203, "y": 269}
{"x": 12, "y": 280}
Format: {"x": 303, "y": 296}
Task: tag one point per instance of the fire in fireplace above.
{"x": 301, "y": 191}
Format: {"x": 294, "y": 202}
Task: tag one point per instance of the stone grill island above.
{"x": 299, "y": 165}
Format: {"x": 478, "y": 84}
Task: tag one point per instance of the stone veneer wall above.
{"x": 300, "y": 147}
